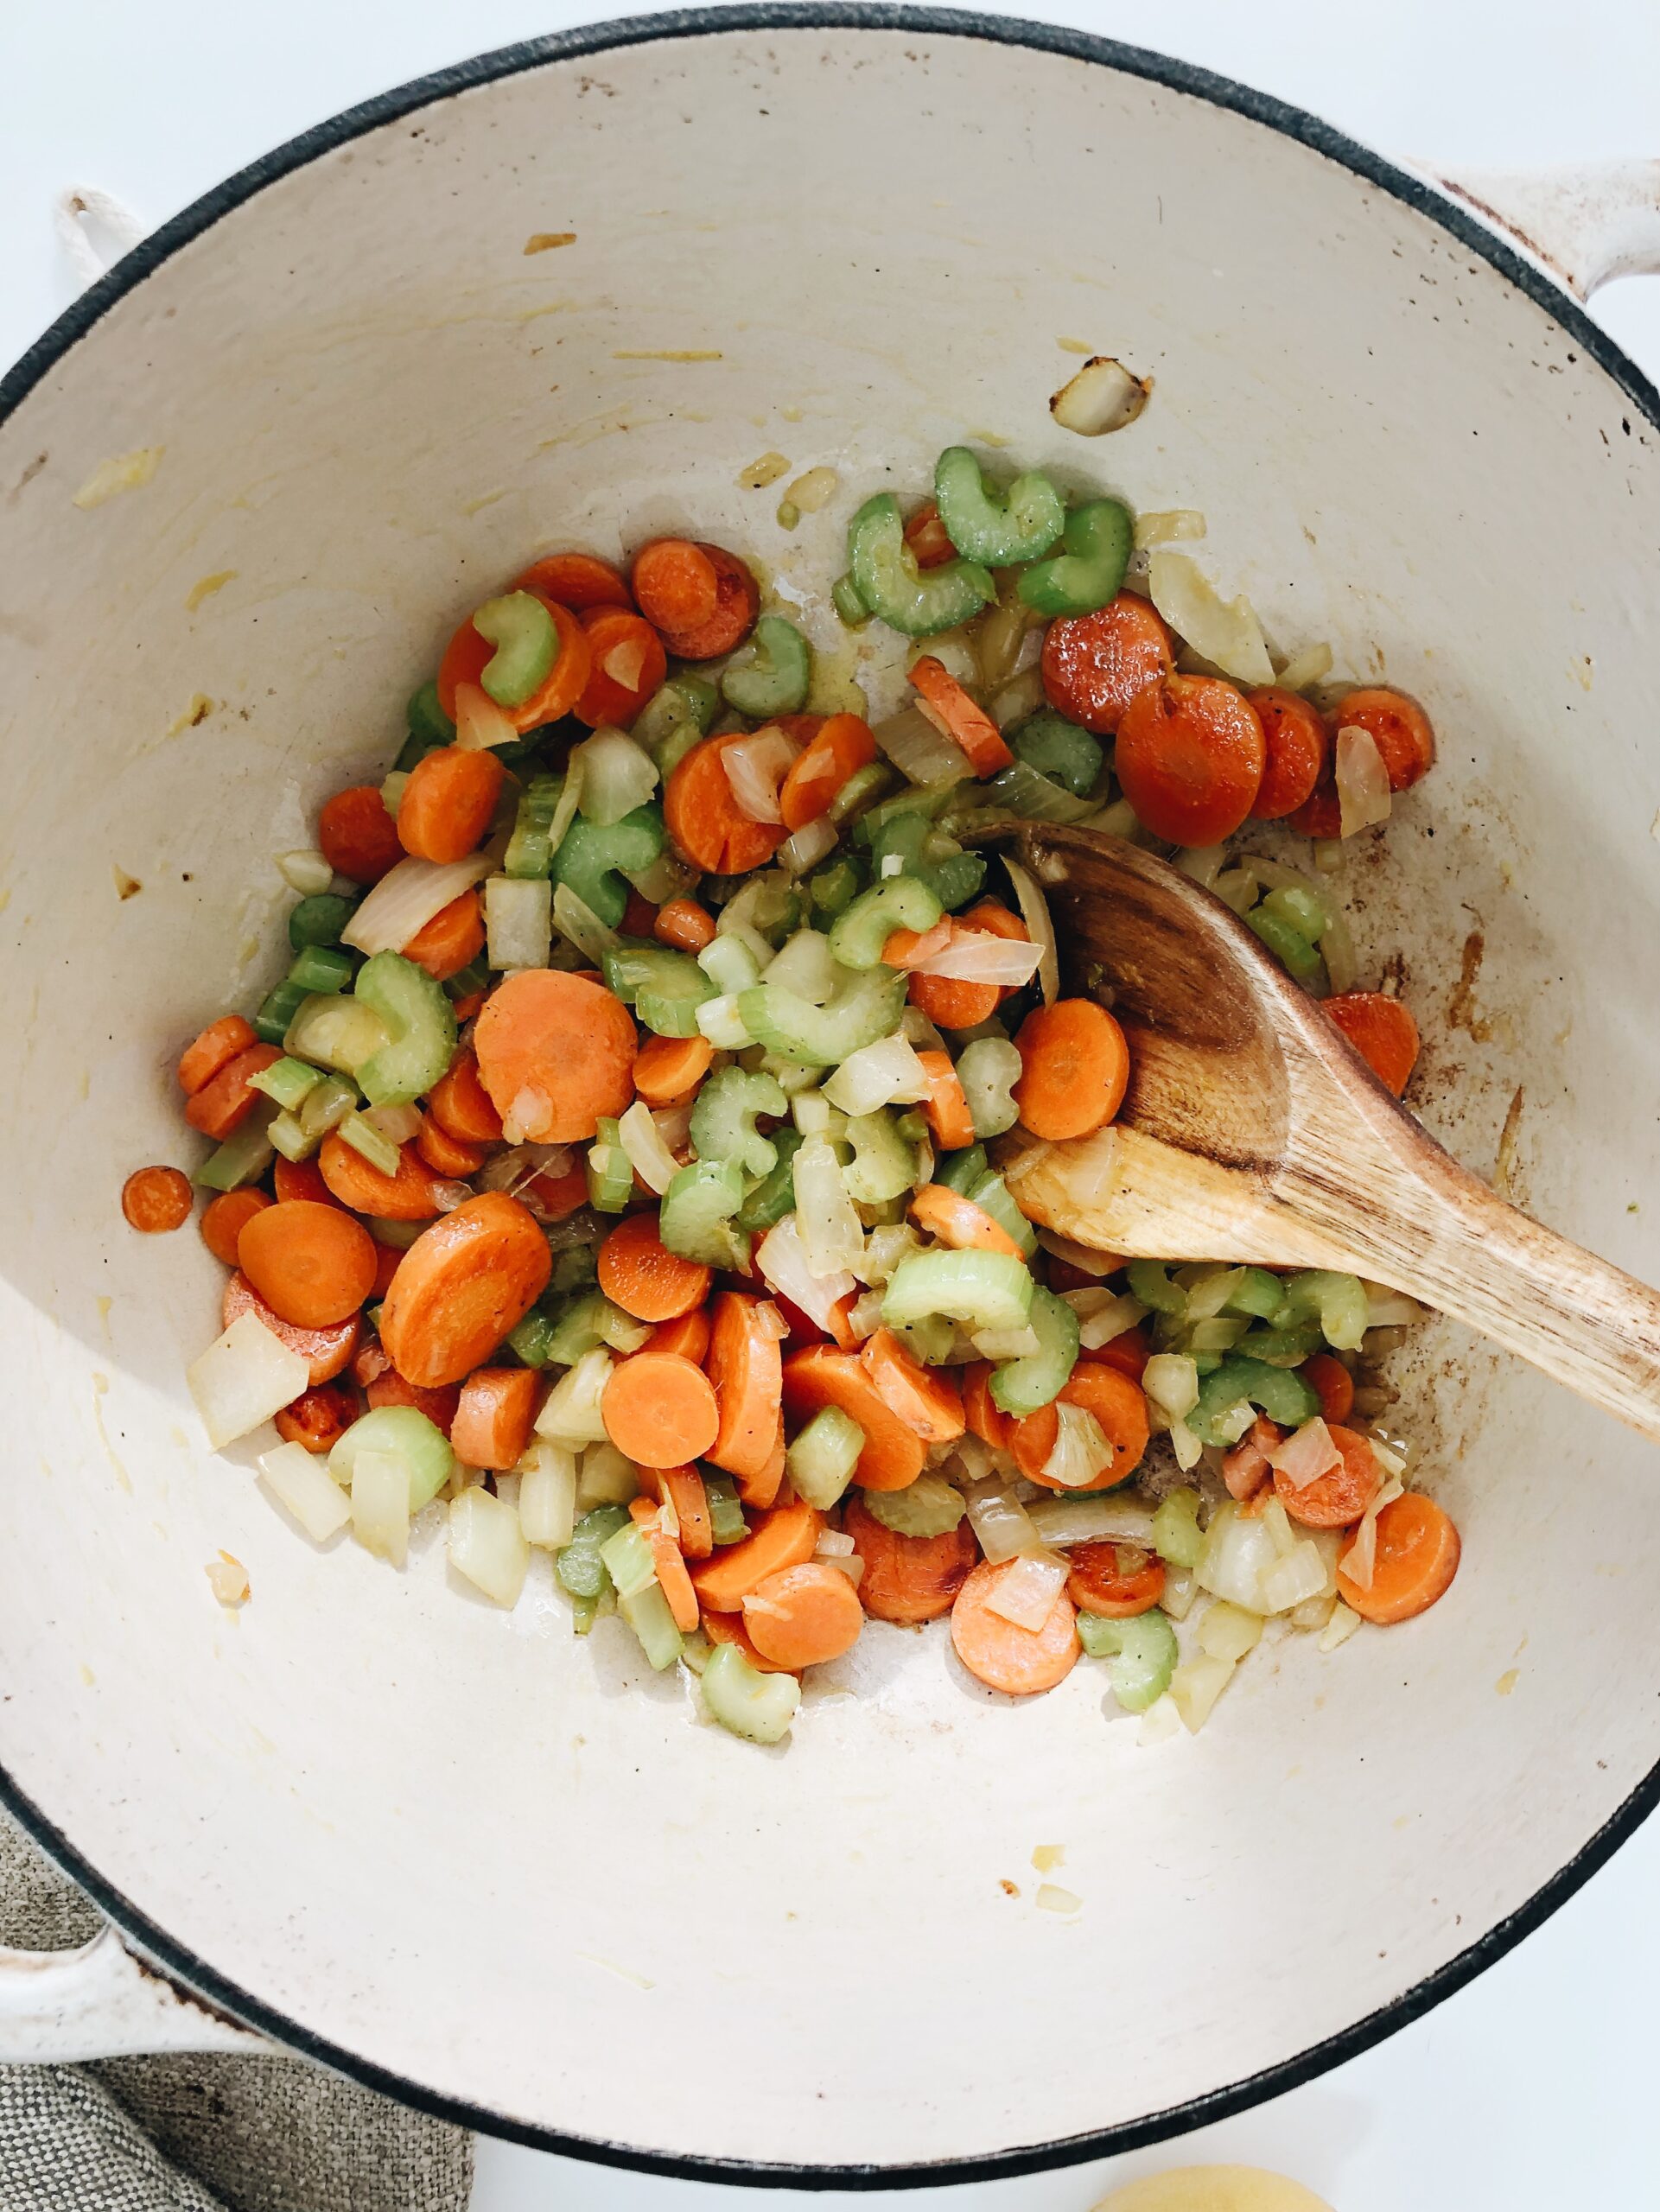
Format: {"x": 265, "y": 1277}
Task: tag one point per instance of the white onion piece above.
{"x": 1027, "y": 1595}
{"x": 865, "y": 1314}
{"x": 243, "y": 1378}
{"x": 832, "y": 1235}
{"x": 1360, "y": 1560}
{"x": 1195, "y": 1687}
{"x": 405, "y": 899}
{"x": 228, "y": 1578}
{"x": 1310, "y": 666}
{"x": 518, "y": 921}
{"x": 1239, "y": 1552}
{"x": 931, "y": 942}
{"x": 1307, "y": 1454}
{"x": 811, "y": 844}
{"x": 1202, "y": 862}
{"x": 547, "y": 1494}
{"x": 1103, "y": 396}
{"x": 1017, "y": 699}
{"x": 782, "y": 1261}
{"x": 576, "y": 922}
{"x": 1101, "y": 1517}
{"x": 976, "y": 956}
{"x": 1110, "y": 1322}
{"x": 885, "y": 1248}
{"x": 571, "y": 1413}
{"x": 1170, "y": 1379}
{"x": 605, "y": 1478}
{"x": 1006, "y": 1343}
{"x": 487, "y": 1545}
{"x": 1362, "y": 782}
{"x": 1391, "y": 1309}
{"x": 1034, "y": 912}
{"x": 719, "y": 1020}
{"x": 1341, "y": 1626}
{"x": 617, "y": 776}
{"x": 1080, "y": 1450}
{"x": 300, "y": 1482}
{"x": 755, "y": 766}
{"x": 624, "y": 662}
{"x": 1295, "y": 1580}
{"x": 649, "y": 1157}
{"x": 1228, "y": 1631}
{"x": 398, "y": 1124}
{"x": 380, "y": 1505}
{"x": 1000, "y": 1521}
{"x": 308, "y": 872}
{"x": 480, "y": 722}
{"x": 1169, "y": 526}
{"x": 1227, "y": 635}
{"x": 886, "y": 1074}
{"x": 673, "y": 1125}
{"x": 921, "y": 751}
{"x": 1081, "y": 1256}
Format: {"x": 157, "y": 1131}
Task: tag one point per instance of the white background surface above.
{"x": 1532, "y": 2088}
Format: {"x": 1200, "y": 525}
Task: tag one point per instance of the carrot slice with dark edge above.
{"x": 1396, "y": 725}
{"x": 578, "y": 581}
{"x": 357, "y": 836}
{"x": 1099, "y": 1584}
{"x": 1189, "y": 756}
{"x": 493, "y": 1416}
{"x": 908, "y": 1578}
{"x": 317, "y": 1419}
{"x": 1298, "y": 748}
{"x": 737, "y": 604}
{"x": 462, "y": 1286}
{"x": 554, "y": 1053}
{"x": 1094, "y": 664}
{"x": 325, "y": 1351}
{"x": 676, "y": 584}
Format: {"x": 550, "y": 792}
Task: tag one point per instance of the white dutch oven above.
{"x": 464, "y": 1857}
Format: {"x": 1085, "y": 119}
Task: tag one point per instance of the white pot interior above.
{"x": 508, "y": 1867}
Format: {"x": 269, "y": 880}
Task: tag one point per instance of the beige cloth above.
{"x": 197, "y": 2134}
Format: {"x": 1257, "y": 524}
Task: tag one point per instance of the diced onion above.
{"x": 1307, "y": 1454}
{"x": 405, "y": 899}
{"x": 1360, "y": 1560}
{"x": 1186, "y": 1446}
{"x": 1000, "y": 1521}
{"x": 1341, "y": 1626}
{"x": 570, "y": 799}
{"x": 448, "y": 1195}
{"x": 1017, "y": 699}
{"x": 480, "y": 722}
{"x": 1228, "y": 635}
{"x": 1239, "y": 1550}
{"x": 885, "y": 1248}
{"x": 1362, "y": 782}
{"x": 1167, "y": 527}
{"x": 243, "y": 1378}
{"x": 1202, "y": 862}
{"x": 832, "y": 1235}
{"x": 649, "y": 1157}
{"x": 229, "y": 1580}
{"x": 1081, "y": 1256}
{"x": 805, "y": 965}
{"x": 398, "y": 1123}
{"x": 1292, "y": 1581}
{"x": 624, "y": 662}
{"x": 1027, "y": 1595}
{"x": 1080, "y": 1451}
{"x": 719, "y": 1020}
{"x": 487, "y": 1545}
{"x": 308, "y": 873}
{"x": 1228, "y": 1631}
{"x": 865, "y": 1314}
{"x": 811, "y": 844}
{"x": 812, "y": 490}
{"x": 782, "y": 1261}
{"x": 921, "y": 751}
{"x": 518, "y": 921}
{"x": 571, "y": 1414}
{"x": 976, "y": 956}
{"x": 1162, "y": 1720}
{"x": 380, "y": 1503}
{"x": 1391, "y": 1309}
{"x": 605, "y": 1478}
{"x": 1100, "y": 1517}
{"x": 511, "y": 1171}
{"x": 1309, "y": 666}
{"x": 882, "y": 1074}
{"x": 617, "y": 776}
{"x": 1034, "y": 912}
{"x": 547, "y": 1494}
{"x": 1104, "y": 396}
{"x": 575, "y": 920}
{"x": 673, "y": 1125}
{"x": 1195, "y": 1687}
{"x": 755, "y": 766}
{"x": 1170, "y": 1379}
{"x": 300, "y": 1482}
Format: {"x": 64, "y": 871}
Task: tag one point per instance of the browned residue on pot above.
{"x": 545, "y": 241}
{"x": 1507, "y": 1137}
{"x": 1461, "y": 1006}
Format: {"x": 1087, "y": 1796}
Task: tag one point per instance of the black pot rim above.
{"x": 1179, "y": 76}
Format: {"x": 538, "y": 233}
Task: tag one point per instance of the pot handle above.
{"x": 60, "y": 2007}
{"x": 1588, "y": 223}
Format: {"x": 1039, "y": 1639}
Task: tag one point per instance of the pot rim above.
{"x": 1425, "y": 199}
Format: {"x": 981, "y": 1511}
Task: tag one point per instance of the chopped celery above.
{"x": 588, "y": 1319}
{"x": 984, "y": 1290}
{"x": 957, "y": 879}
{"x": 914, "y": 601}
{"x": 429, "y": 726}
{"x": 1279, "y": 1347}
{"x": 683, "y": 707}
{"x": 772, "y": 674}
{"x": 863, "y": 785}
{"x": 991, "y": 1194}
{"x": 1338, "y": 1301}
{"x": 336, "y": 1033}
{"x": 821, "y": 1461}
{"x": 989, "y": 1068}
{"x": 610, "y": 1170}
{"x": 287, "y": 1081}
{"x": 726, "y": 1523}
{"x": 1021, "y": 1386}
{"x": 319, "y": 920}
{"x": 774, "y": 1195}
{"x": 467, "y": 982}
{"x": 647, "y": 1613}
{"x": 1023, "y": 790}
{"x": 321, "y": 967}
{"x": 695, "y": 1220}
{"x": 574, "y": 1268}
{"x": 529, "y": 1341}
{"x": 242, "y": 1158}
{"x": 908, "y": 836}
{"x": 848, "y": 602}
{"x": 518, "y": 922}
{"x": 579, "y": 1567}
{"x": 594, "y": 861}
{"x": 769, "y": 904}
{"x": 1258, "y": 1293}
{"x": 1226, "y": 1397}
{"x": 277, "y": 1012}
{"x": 1177, "y": 1537}
{"x": 928, "y": 1507}
{"x": 883, "y": 1164}
{"x": 666, "y": 988}
{"x": 627, "y": 1560}
{"x": 759, "y": 1708}
{"x": 408, "y": 1435}
{"x": 1288, "y": 902}
{"x": 729, "y": 963}
{"x": 1019, "y": 526}
{"x": 1059, "y": 749}
{"x": 833, "y": 889}
{"x": 961, "y": 1171}
{"x": 522, "y": 631}
{"x": 904, "y": 902}
{"x": 1289, "y": 947}
{"x": 930, "y": 1338}
{"x": 530, "y": 853}
{"x": 1149, "y": 1281}
{"x": 288, "y": 1136}
{"x": 363, "y": 1137}
{"x": 1098, "y": 541}
{"x": 1141, "y": 1653}
{"x": 864, "y": 1008}
{"x": 420, "y": 1026}
{"x": 723, "y": 1119}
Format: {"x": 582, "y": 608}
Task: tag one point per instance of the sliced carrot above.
{"x": 729, "y": 1628}
{"x": 908, "y": 1578}
{"x": 684, "y": 1488}
{"x": 225, "y": 1103}
{"x": 312, "y": 1265}
{"x": 1336, "y": 1499}
{"x": 672, "y": 1576}
{"x": 554, "y": 1053}
{"x": 669, "y": 1069}
{"x": 819, "y": 1376}
{"x": 676, "y": 584}
{"x": 407, "y": 1195}
{"x": 685, "y": 925}
{"x": 464, "y": 660}
{"x": 659, "y": 1409}
{"x": 1117, "y": 1403}
{"x": 225, "y": 1219}
{"x": 446, "y": 1155}
{"x": 839, "y": 1315}
{"x": 1396, "y": 725}
{"x": 926, "y": 1399}
{"x": 327, "y": 1350}
{"x": 984, "y": 1417}
{"x": 216, "y": 1047}
{"x": 804, "y": 1615}
{"x": 389, "y": 1388}
{"x": 317, "y": 1418}
{"x": 688, "y": 1334}
{"x": 357, "y": 834}
{"x": 493, "y": 1416}
{"x": 765, "y": 1488}
{"x": 1094, "y": 664}
{"x": 704, "y": 818}
{"x": 467, "y": 655}
{"x": 950, "y": 1002}
{"x": 1019, "y": 1661}
{"x": 941, "y": 1212}
{"x": 1097, "y": 1583}
{"x": 469, "y": 1004}
{"x": 626, "y": 667}
{"x": 1382, "y": 1031}
{"x": 737, "y": 604}
{"x": 462, "y": 1286}
{"x": 301, "y": 1179}
{"x": 1245, "y": 1469}
{"x": 1415, "y": 1558}
{"x": 386, "y": 1259}
{"x": 946, "y": 1106}
{"x": 949, "y": 706}
{"x": 1190, "y": 756}
{"x": 785, "y": 1537}
{"x": 638, "y": 1273}
{"x": 156, "y": 1199}
{"x": 1298, "y": 748}
{"x": 453, "y": 937}
{"x": 1074, "y": 1069}
{"x": 555, "y": 1197}
{"x": 928, "y": 539}
{"x": 639, "y": 916}
{"x": 460, "y": 1104}
{"x": 1320, "y": 814}
{"x": 1128, "y": 1351}
{"x": 991, "y": 919}
{"x": 447, "y": 802}
{"x": 1334, "y": 1383}
{"x": 578, "y": 580}
{"x": 842, "y": 746}
{"x": 746, "y": 1369}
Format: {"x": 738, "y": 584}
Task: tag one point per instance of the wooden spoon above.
{"x": 1253, "y": 1131}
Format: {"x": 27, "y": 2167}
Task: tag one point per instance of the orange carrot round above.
{"x": 578, "y": 580}
{"x": 1099, "y": 1585}
{"x": 941, "y": 1212}
{"x": 553, "y": 1197}
{"x": 386, "y": 1259}
{"x": 1338, "y": 1498}
{"x": 785, "y": 1537}
{"x": 945, "y": 1108}
{"x": 1396, "y": 725}
{"x": 659, "y": 1409}
{"x": 216, "y": 1047}
{"x": 1190, "y": 756}
{"x": 841, "y": 746}
{"x": 744, "y": 1368}
{"x": 447, "y": 802}
{"x": 317, "y": 1418}
{"x": 672, "y": 1576}
{"x": 804, "y": 1615}
{"x": 1416, "y": 1557}
{"x": 822, "y": 1376}
{"x": 729, "y": 1628}
{"x": 224, "y": 1219}
{"x": 407, "y": 1195}
{"x": 737, "y": 602}
{"x": 1117, "y": 1403}
{"x": 984, "y": 1417}
{"x": 312, "y": 1265}
{"x": 1334, "y": 1384}
{"x": 301, "y": 1179}
{"x": 1019, "y": 1661}
{"x": 467, "y": 655}
{"x": 493, "y": 1416}
{"x": 453, "y": 937}
{"x": 928, "y": 539}
{"x": 1074, "y": 1068}
{"x": 684, "y": 1488}
{"x": 908, "y": 1578}
{"x": 638, "y": 1272}
{"x": 1382, "y": 1031}
{"x": 156, "y": 1199}
{"x": 325, "y": 1351}
{"x": 357, "y": 836}
{"x": 949, "y": 1001}
{"x": 676, "y": 584}
{"x": 460, "y": 1104}
{"x": 669, "y": 1069}
{"x": 447, "y": 1155}
{"x": 684, "y": 924}
{"x": 224, "y": 1102}
{"x": 1128, "y": 1351}
{"x": 926, "y": 1399}
{"x": 688, "y": 1334}
{"x": 704, "y": 819}
{"x": 967, "y": 723}
{"x": 462, "y": 1286}
{"x": 554, "y": 1053}
{"x": 626, "y": 667}
{"x": 1094, "y": 664}
{"x": 1298, "y": 748}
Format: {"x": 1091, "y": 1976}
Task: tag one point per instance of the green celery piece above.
{"x": 860, "y": 1013}
{"x": 648, "y": 1614}
{"x": 850, "y": 605}
{"x": 1021, "y": 1386}
{"x": 429, "y": 726}
{"x": 529, "y": 1341}
{"x": 627, "y": 1560}
{"x": 1069, "y": 756}
{"x": 1241, "y": 1382}
{"x": 244, "y": 1156}
{"x": 421, "y": 1023}
{"x": 579, "y": 1566}
{"x": 376, "y": 1147}
{"x": 729, "y": 963}
{"x": 768, "y": 903}
{"x": 961, "y": 1171}
{"x": 574, "y": 1268}
{"x": 914, "y": 601}
{"x": 588, "y": 1319}
{"x": 321, "y": 967}
{"x": 1140, "y": 1654}
{"x": 903, "y": 834}
{"x": 1301, "y": 909}
{"x": 287, "y": 1081}
{"x": 678, "y": 712}
{"x": 665, "y": 987}
{"x": 1289, "y": 947}
{"x": 759, "y": 1708}
{"x": 288, "y": 1136}
{"x": 984, "y": 1290}
{"x": 772, "y": 674}
{"x": 723, "y": 1119}
{"x": 1098, "y": 541}
{"x": 696, "y": 1216}
{"x": 1177, "y": 1536}
{"x": 526, "y": 641}
{"x": 989, "y": 1068}
{"x": 833, "y": 889}
{"x": 610, "y": 1170}
{"x": 774, "y": 1195}
{"x": 529, "y": 852}
{"x": 928, "y": 1507}
{"x": 1019, "y": 526}
{"x": 1281, "y": 1347}
{"x": 407, "y": 1433}
{"x": 992, "y": 1195}
{"x": 1149, "y": 1281}
{"x": 328, "y": 1106}
{"x": 277, "y": 1011}
{"x": 726, "y": 1522}
{"x": 904, "y": 902}
{"x": 1021, "y": 789}
{"x": 883, "y": 1164}
{"x": 595, "y": 862}
{"x": 930, "y": 1339}
{"x": 1257, "y": 1293}
{"x": 821, "y": 1461}
{"x": 863, "y": 786}
{"x": 320, "y": 920}
{"x": 1337, "y": 1301}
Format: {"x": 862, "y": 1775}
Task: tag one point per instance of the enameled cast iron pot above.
{"x": 464, "y": 1857}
